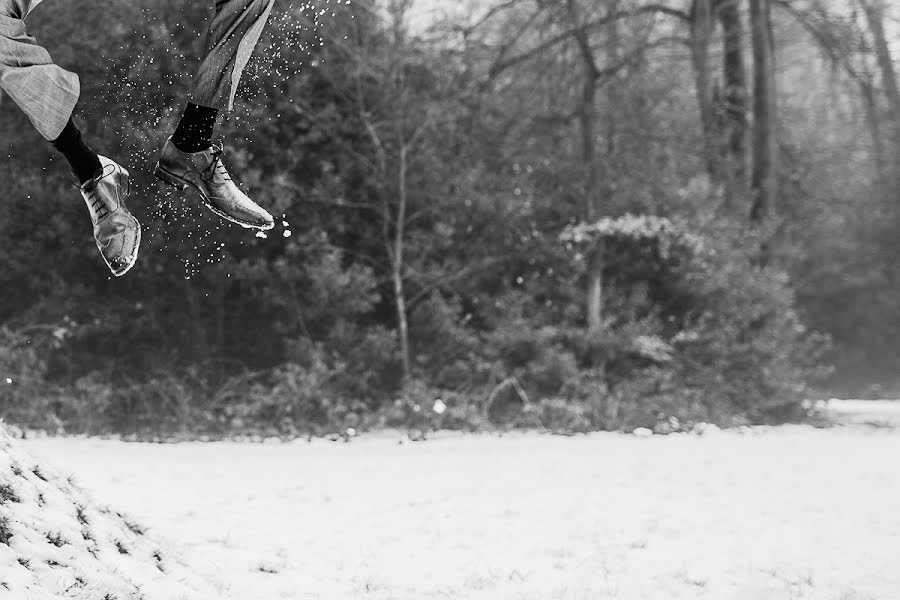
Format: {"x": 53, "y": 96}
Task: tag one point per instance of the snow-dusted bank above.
{"x": 873, "y": 412}
{"x": 763, "y": 514}
{"x": 55, "y": 542}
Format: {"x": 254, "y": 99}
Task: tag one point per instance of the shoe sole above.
{"x": 132, "y": 260}
{"x": 182, "y": 184}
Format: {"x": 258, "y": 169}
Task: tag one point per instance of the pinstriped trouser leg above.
{"x": 233, "y": 34}
{"x": 46, "y": 92}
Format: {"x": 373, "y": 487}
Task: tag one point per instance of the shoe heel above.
{"x": 167, "y": 178}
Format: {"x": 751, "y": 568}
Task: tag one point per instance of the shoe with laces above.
{"x": 117, "y": 232}
{"x": 204, "y": 172}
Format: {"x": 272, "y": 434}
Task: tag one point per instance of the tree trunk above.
{"x": 874, "y": 10}
{"x": 702, "y": 25}
{"x": 764, "y": 182}
{"x": 613, "y": 89}
{"x": 872, "y": 121}
{"x": 595, "y": 289}
{"x": 734, "y": 134}
{"x": 397, "y": 268}
{"x": 587, "y": 118}
{"x": 588, "y": 136}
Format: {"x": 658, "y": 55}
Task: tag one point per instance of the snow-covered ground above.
{"x": 55, "y": 542}
{"x": 791, "y": 512}
{"x": 873, "y": 412}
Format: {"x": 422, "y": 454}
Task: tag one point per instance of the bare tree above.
{"x": 723, "y": 112}
{"x": 875, "y": 10}
{"x": 841, "y": 42}
{"x": 587, "y": 117}
{"x": 734, "y": 110}
{"x": 764, "y": 180}
{"x": 702, "y": 25}
{"x": 394, "y": 133}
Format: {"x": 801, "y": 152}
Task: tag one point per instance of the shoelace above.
{"x": 93, "y": 189}
{"x": 216, "y": 165}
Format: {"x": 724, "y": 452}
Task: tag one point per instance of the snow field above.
{"x": 766, "y": 514}
{"x": 55, "y": 542}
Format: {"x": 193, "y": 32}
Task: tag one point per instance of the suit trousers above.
{"x": 47, "y": 93}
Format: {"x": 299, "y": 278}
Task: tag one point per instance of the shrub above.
{"x": 422, "y": 408}
{"x": 289, "y": 399}
{"x": 437, "y": 329}
{"x": 558, "y": 415}
{"x": 745, "y": 345}
{"x": 25, "y": 395}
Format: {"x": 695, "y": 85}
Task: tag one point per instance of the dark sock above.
{"x": 194, "y": 131}
{"x": 84, "y": 162}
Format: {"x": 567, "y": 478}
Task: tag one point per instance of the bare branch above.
{"x": 501, "y": 65}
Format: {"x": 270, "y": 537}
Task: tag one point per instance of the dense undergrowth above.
{"x": 699, "y": 335}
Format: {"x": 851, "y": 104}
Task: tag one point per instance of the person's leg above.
{"x": 189, "y": 158}
{"x": 233, "y": 35}
{"x": 84, "y": 162}
{"x": 47, "y": 94}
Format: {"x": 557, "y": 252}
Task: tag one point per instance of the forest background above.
{"x": 564, "y": 214}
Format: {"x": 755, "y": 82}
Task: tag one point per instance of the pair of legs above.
{"x": 48, "y": 95}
